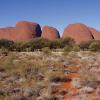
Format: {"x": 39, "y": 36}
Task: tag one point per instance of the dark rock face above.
{"x": 95, "y": 33}
{"x": 22, "y": 32}
{"x": 50, "y": 33}
{"x": 79, "y": 32}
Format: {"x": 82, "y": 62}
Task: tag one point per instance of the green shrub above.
{"x": 85, "y": 45}
{"x": 6, "y": 43}
{"x": 38, "y": 43}
{"x": 66, "y": 41}
{"x": 95, "y": 46}
{"x": 4, "y": 51}
{"x": 17, "y": 46}
{"x": 61, "y": 43}
{"x": 76, "y": 48}
{"x": 20, "y": 46}
{"x": 13, "y": 46}
{"x": 55, "y": 44}
{"x": 68, "y": 48}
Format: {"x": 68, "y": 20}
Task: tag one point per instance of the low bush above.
{"x": 61, "y": 43}
{"x": 46, "y": 50}
{"x": 20, "y": 46}
{"x": 4, "y": 51}
{"x": 68, "y": 48}
{"x": 76, "y": 48}
{"x": 95, "y": 46}
{"x": 67, "y": 41}
{"x": 85, "y": 45}
{"x": 60, "y": 79}
{"x": 67, "y": 44}
{"x": 55, "y": 44}
{"x": 57, "y": 76}
{"x": 38, "y": 43}
{"x": 6, "y": 43}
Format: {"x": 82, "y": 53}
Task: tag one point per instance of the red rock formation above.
{"x": 7, "y": 33}
{"x": 50, "y": 33}
{"x": 22, "y": 32}
{"x": 95, "y": 33}
{"x": 79, "y": 32}
{"x": 28, "y": 29}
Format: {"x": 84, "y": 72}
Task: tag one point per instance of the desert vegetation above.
{"x": 45, "y": 75}
{"x": 49, "y": 70}
{"x": 66, "y": 45}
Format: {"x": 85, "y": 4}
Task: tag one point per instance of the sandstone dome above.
{"x": 50, "y": 33}
{"x": 29, "y": 29}
{"x": 23, "y": 31}
{"x": 8, "y": 33}
{"x": 79, "y": 32}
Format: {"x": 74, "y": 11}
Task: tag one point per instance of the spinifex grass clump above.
{"x": 46, "y": 50}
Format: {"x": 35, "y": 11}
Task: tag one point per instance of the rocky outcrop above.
{"x": 79, "y": 32}
{"x": 8, "y": 33}
{"x": 22, "y": 32}
{"x": 50, "y": 33}
{"x": 95, "y": 33}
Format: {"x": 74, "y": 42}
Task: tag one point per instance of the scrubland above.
{"x": 49, "y": 70}
{"x": 50, "y": 75}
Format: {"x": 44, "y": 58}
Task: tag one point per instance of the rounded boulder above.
{"x": 50, "y": 33}
{"x": 79, "y": 32}
{"x": 28, "y": 30}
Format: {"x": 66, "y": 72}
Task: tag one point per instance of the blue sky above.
{"x": 56, "y": 13}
